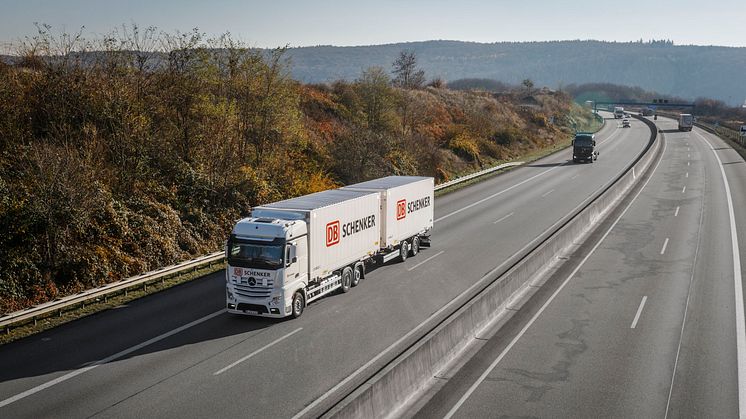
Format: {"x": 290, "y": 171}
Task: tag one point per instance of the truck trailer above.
{"x": 292, "y": 252}
{"x": 618, "y": 112}
{"x": 686, "y": 122}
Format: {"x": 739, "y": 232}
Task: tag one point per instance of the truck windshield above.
{"x": 583, "y": 142}
{"x": 255, "y": 254}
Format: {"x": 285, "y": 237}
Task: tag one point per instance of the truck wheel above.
{"x": 415, "y": 247}
{"x": 403, "y": 251}
{"x": 346, "y": 279}
{"x": 299, "y": 304}
{"x": 356, "y": 275}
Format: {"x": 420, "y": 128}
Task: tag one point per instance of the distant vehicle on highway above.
{"x": 583, "y": 147}
{"x": 618, "y": 112}
{"x": 625, "y": 123}
{"x": 686, "y": 122}
{"x": 648, "y": 112}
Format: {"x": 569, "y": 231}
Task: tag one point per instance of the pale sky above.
{"x": 334, "y": 22}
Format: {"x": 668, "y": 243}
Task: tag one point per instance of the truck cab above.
{"x": 267, "y": 263}
{"x": 583, "y": 146}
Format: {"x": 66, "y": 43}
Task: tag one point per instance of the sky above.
{"x": 332, "y": 22}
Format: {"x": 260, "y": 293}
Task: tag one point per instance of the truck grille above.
{"x": 256, "y": 291}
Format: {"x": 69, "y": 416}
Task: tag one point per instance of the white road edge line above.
{"x": 440, "y": 310}
{"x": 738, "y": 284}
{"x": 676, "y": 214}
{"x": 503, "y": 218}
{"x": 512, "y": 187}
{"x": 545, "y": 305}
{"x": 278, "y": 340}
{"x": 117, "y": 355}
{"x": 426, "y": 260}
{"x": 634, "y": 176}
{"x": 665, "y": 244}
{"x": 547, "y": 193}
{"x": 639, "y": 311}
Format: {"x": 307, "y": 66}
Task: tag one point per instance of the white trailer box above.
{"x": 407, "y": 204}
{"x": 343, "y": 226}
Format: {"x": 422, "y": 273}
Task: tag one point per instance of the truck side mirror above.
{"x": 290, "y": 257}
{"x": 594, "y": 143}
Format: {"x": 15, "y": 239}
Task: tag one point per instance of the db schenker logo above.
{"x": 332, "y": 233}
{"x": 401, "y": 209}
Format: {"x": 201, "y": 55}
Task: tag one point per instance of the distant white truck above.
{"x": 618, "y": 112}
{"x": 292, "y": 252}
{"x": 686, "y": 122}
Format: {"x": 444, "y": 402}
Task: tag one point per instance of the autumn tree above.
{"x": 406, "y": 73}
{"x": 378, "y": 98}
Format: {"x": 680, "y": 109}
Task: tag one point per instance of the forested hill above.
{"x": 686, "y": 71}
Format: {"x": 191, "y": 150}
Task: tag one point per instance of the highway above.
{"x": 643, "y": 321}
{"x": 178, "y": 354}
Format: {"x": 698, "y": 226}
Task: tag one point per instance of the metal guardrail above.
{"x": 476, "y": 175}
{"x": 63, "y": 304}
{"x": 143, "y": 279}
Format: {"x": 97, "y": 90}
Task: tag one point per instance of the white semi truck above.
{"x": 686, "y": 122}
{"x": 618, "y": 112}
{"x": 292, "y": 252}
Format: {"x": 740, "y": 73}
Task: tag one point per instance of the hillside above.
{"x": 685, "y": 71}
{"x": 109, "y": 167}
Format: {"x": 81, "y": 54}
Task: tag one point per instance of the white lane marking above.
{"x": 426, "y": 260}
{"x": 687, "y": 174}
{"x": 278, "y": 340}
{"x": 445, "y": 307}
{"x": 512, "y": 187}
{"x": 512, "y": 343}
{"x": 738, "y": 284}
{"x": 547, "y": 193}
{"x": 495, "y": 194}
{"x": 639, "y": 311}
{"x": 688, "y": 163}
{"x": 117, "y": 355}
{"x": 683, "y": 190}
{"x": 503, "y": 218}
{"x": 689, "y": 155}
{"x": 665, "y": 244}
{"x": 676, "y": 214}
{"x": 634, "y": 176}
{"x": 688, "y": 294}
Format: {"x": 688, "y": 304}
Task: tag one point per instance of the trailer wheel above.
{"x": 356, "y": 275}
{"x": 415, "y": 247}
{"x": 346, "y": 279}
{"x": 299, "y": 304}
{"x": 403, "y": 251}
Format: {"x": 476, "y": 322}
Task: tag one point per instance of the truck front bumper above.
{"x": 274, "y": 306}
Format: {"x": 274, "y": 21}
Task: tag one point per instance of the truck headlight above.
{"x": 276, "y": 300}
{"x": 230, "y": 296}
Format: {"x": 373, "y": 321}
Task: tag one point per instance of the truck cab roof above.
{"x": 262, "y": 228}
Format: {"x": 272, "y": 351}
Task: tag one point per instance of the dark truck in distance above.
{"x": 582, "y": 147}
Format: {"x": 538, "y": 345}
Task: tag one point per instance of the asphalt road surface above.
{"x": 641, "y": 324}
{"x": 178, "y": 354}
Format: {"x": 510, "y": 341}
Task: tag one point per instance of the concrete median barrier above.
{"x": 402, "y": 380}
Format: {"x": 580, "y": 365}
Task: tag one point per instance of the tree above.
{"x": 407, "y": 75}
{"x": 377, "y": 98}
{"x": 529, "y": 84}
